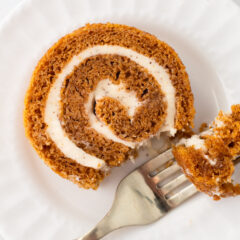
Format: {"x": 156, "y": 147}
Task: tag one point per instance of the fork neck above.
{"x": 99, "y": 231}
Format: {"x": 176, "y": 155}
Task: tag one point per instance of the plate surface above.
{"x": 35, "y": 203}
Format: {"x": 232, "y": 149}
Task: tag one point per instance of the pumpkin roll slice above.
{"x": 99, "y": 94}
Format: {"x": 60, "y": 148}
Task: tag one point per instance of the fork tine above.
{"x": 182, "y": 195}
{"x": 166, "y": 173}
{"x": 168, "y": 187}
{"x": 157, "y": 162}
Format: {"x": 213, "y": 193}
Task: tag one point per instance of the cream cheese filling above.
{"x": 53, "y": 106}
{"x": 194, "y": 141}
{"x": 106, "y": 88}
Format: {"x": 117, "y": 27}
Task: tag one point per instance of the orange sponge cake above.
{"x": 207, "y": 159}
{"x": 99, "y": 94}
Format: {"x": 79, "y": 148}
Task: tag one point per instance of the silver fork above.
{"x": 145, "y": 195}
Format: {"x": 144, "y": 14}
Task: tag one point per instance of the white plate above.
{"x": 35, "y": 203}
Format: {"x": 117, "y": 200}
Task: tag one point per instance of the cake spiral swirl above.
{"x": 99, "y": 94}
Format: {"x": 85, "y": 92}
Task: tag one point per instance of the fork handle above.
{"x": 99, "y": 231}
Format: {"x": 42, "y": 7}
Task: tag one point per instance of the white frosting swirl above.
{"x": 53, "y": 106}
{"x": 106, "y": 88}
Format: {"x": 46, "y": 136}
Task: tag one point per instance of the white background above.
{"x": 6, "y": 6}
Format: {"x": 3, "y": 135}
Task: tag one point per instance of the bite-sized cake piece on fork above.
{"x": 207, "y": 158}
